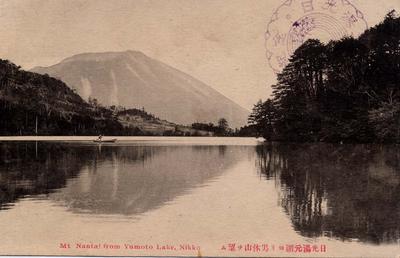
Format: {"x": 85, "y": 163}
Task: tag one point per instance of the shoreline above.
{"x": 136, "y": 139}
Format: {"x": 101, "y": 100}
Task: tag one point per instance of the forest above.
{"x": 343, "y": 91}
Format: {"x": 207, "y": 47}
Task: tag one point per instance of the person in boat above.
{"x": 100, "y": 137}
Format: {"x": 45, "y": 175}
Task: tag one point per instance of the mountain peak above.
{"x": 103, "y": 56}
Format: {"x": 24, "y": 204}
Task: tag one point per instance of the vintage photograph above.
{"x": 200, "y": 128}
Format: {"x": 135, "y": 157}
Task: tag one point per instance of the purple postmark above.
{"x": 295, "y": 21}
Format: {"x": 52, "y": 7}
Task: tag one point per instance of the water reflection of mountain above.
{"x": 110, "y": 179}
{"x": 342, "y": 191}
{"x": 120, "y": 183}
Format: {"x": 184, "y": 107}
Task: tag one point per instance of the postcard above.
{"x": 200, "y": 128}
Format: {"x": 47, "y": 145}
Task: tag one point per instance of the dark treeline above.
{"x": 344, "y": 91}
{"x": 221, "y": 129}
{"x": 134, "y": 112}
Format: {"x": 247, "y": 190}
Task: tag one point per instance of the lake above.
{"x": 198, "y": 196}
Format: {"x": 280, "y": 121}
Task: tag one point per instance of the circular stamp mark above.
{"x": 296, "y": 21}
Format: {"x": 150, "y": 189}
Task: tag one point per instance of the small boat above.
{"x": 104, "y": 141}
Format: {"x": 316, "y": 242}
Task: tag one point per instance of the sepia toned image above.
{"x": 200, "y": 128}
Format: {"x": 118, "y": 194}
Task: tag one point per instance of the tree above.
{"x": 386, "y": 122}
{"x": 298, "y": 93}
{"x": 223, "y": 126}
{"x": 93, "y": 102}
{"x": 262, "y": 118}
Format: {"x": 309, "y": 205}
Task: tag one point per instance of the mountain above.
{"x": 134, "y": 80}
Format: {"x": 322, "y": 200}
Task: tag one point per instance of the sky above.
{"x": 220, "y": 42}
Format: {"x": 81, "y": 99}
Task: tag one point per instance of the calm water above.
{"x": 201, "y": 192}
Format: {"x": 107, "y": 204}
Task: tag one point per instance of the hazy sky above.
{"x": 220, "y": 42}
